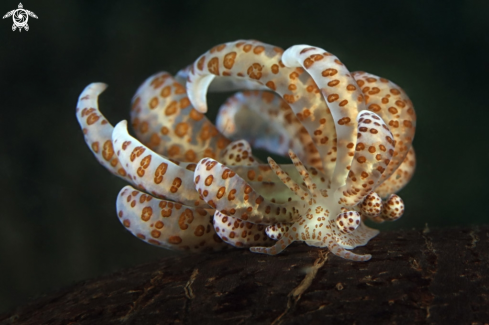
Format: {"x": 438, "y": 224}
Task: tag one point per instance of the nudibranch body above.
{"x": 349, "y": 136}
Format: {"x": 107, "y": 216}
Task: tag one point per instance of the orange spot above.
{"x": 196, "y": 116}
{"x": 146, "y": 213}
{"x": 199, "y": 231}
{"x": 270, "y": 84}
{"x": 108, "y": 150}
{"x": 95, "y": 147}
{"x": 213, "y": 66}
{"x": 200, "y": 63}
{"x": 275, "y": 69}
{"x": 329, "y": 72}
{"x": 333, "y": 97}
{"x": 165, "y": 92}
{"x": 171, "y": 108}
{"x": 229, "y": 60}
{"x": 181, "y": 129}
{"x": 254, "y": 71}
{"x": 160, "y": 171}
{"x": 186, "y": 218}
{"x": 153, "y": 103}
{"x": 92, "y": 118}
{"x": 155, "y": 234}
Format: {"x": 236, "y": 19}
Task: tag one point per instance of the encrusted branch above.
{"x": 414, "y": 277}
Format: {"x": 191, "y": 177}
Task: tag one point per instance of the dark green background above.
{"x": 57, "y": 205}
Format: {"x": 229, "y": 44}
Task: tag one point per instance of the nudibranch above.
{"x": 198, "y": 187}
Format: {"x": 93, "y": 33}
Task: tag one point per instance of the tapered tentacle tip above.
{"x": 121, "y": 126}
{"x": 95, "y": 88}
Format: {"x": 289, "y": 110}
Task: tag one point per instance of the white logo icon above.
{"x": 20, "y": 17}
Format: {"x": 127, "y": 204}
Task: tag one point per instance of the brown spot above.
{"x": 270, "y": 84}
{"x": 333, "y": 83}
{"x": 160, "y": 171}
{"x": 153, "y": 103}
{"x": 155, "y": 234}
{"x": 229, "y": 60}
{"x": 361, "y": 159}
{"x": 344, "y": 120}
{"x": 231, "y": 194}
{"x": 220, "y": 192}
{"x": 213, "y": 66}
{"x": 254, "y": 71}
{"x": 393, "y": 110}
{"x": 275, "y": 69}
{"x": 175, "y": 240}
{"x": 95, "y": 147}
{"x": 127, "y": 223}
{"x": 171, "y": 108}
{"x": 199, "y": 231}
{"x": 329, "y": 72}
{"x": 92, "y": 118}
{"x": 177, "y": 182}
{"x": 146, "y": 213}
{"x": 333, "y": 97}
{"x": 159, "y": 224}
{"x": 165, "y": 92}
{"x": 195, "y": 115}
{"x": 258, "y": 49}
{"x": 181, "y": 129}
{"x": 107, "y": 150}
{"x": 186, "y": 218}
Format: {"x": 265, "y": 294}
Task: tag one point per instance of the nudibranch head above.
{"x": 349, "y": 137}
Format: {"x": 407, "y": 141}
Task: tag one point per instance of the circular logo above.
{"x": 20, "y": 17}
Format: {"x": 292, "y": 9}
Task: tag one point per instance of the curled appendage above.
{"x": 265, "y": 174}
{"x": 348, "y": 222}
{"x": 238, "y": 153}
{"x": 337, "y": 250}
{"x": 266, "y": 121}
{"x": 228, "y": 193}
{"x": 167, "y": 224}
{"x": 239, "y": 233}
{"x": 304, "y": 195}
{"x": 280, "y": 245}
{"x": 393, "y": 208}
{"x": 373, "y": 152}
{"x": 165, "y": 121}
{"x": 401, "y": 176}
{"x": 97, "y": 130}
{"x": 277, "y": 230}
{"x": 339, "y": 90}
{"x": 360, "y": 237}
{"x": 261, "y": 63}
{"x": 312, "y": 178}
{"x": 152, "y": 172}
{"x": 392, "y": 104}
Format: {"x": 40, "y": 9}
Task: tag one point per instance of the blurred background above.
{"x": 57, "y": 219}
